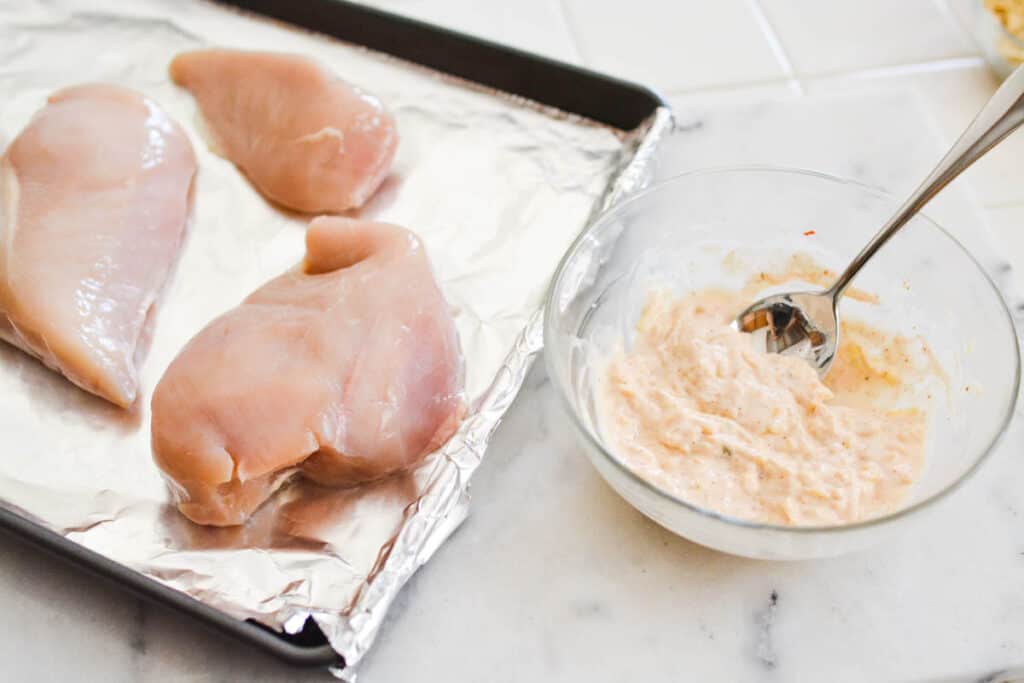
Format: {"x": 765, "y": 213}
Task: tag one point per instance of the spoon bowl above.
{"x": 800, "y": 324}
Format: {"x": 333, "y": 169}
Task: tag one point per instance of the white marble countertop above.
{"x": 554, "y": 577}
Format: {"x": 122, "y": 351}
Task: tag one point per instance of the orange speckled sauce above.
{"x": 694, "y": 408}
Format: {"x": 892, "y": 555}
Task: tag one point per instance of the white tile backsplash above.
{"x": 829, "y": 36}
{"x": 534, "y": 25}
{"x": 965, "y": 11}
{"x": 674, "y": 44}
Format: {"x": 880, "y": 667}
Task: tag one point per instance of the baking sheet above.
{"x": 497, "y": 189}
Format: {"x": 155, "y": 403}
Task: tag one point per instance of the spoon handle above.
{"x": 999, "y": 117}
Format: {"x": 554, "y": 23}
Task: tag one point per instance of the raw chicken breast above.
{"x": 94, "y": 197}
{"x": 305, "y": 138}
{"x": 347, "y": 370}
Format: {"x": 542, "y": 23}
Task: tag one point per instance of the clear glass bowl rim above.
{"x": 549, "y": 324}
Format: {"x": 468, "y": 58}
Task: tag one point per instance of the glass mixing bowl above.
{"x": 681, "y": 232}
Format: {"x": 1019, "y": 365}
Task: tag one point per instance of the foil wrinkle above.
{"x": 496, "y": 187}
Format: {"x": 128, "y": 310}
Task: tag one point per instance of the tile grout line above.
{"x": 954, "y": 17}
{"x": 725, "y": 87}
{"x": 775, "y": 45}
{"x": 901, "y": 70}
{"x": 1008, "y": 204}
{"x": 868, "y": 75}
{"x": 570, "y": 28}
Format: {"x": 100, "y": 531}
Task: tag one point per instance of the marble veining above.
{"x": 765, "y": 622}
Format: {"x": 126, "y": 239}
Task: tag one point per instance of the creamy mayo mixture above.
{"x": 696, "y": 410}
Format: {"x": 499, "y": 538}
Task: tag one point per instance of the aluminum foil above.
{"x": 496, "y": 187}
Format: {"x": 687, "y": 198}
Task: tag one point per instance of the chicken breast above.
{"x": 346, "y": 370}
{"x": 306, "y": 139}
{"x": 94, "y": 197}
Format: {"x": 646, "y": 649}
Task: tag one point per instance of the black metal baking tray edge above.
{"x": 616, "y": 103}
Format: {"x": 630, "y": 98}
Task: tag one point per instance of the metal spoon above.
{"x": 806, "y": 324}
